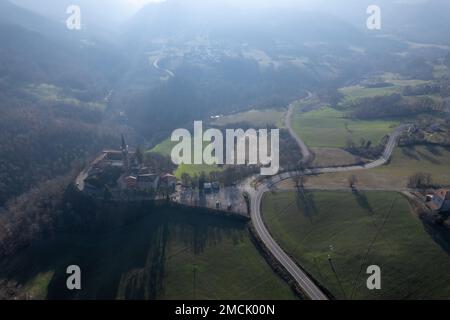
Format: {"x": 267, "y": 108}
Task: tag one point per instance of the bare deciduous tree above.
{"x": 352, "y": 181}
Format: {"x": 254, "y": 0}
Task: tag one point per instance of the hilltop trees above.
{"x": 392, "y": 106}
{"x": 40, "y": 141}
{"x": 420, "y": 181}
{"x": 35, "y": 215}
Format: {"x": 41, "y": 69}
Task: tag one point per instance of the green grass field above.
{"x": 343, "y": 225}
{"x": 441, "y": 71}
{"x": 166, "y": 255}
{"x": 327, "y": 128}
{"x": 399, "y": 80}
{"x": 428, "y": 159}
{"x": 258, "y": 119}
{"x": 357, "y": 92}
{"x": 404, "y": 163}
{"x": 196, "y": 169}
{"x": 354, "y": 93}
{"x": 53, "y": 94}
{"x": 165, "y": 148}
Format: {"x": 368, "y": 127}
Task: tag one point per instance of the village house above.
{"x": 148, "y": 182}
{"x": 129, "y": 183}
{"x": 129, "y": 175}
{"x": 439, "y": 201}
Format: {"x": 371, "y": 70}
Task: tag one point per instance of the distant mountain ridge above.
{"x": 27, "y": 19}
{"x": 230, "y": 23}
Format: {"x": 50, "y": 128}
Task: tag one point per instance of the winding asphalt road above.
{"x": 304, "y": 281}
{"x": 287, "y": 122}
{"x": 169, "y": 73}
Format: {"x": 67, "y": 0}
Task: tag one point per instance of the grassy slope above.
{"x": 153, "y": 258}
{"x": 228, "y": 270}
{"x": 405, "y": 163}
{"x": 328, "y": 128}
{"x": 52, "y": 94}
{"x": 354, "y": 93}
{"x": 357, "y": 92}
{"x": 256, "y": 118}
{"x": 441, "y": 71}
{"x": 413, "y": 266}
{"x": 165, "y": 148}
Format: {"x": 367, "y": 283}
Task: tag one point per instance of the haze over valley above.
{"x": 87, "y": 178}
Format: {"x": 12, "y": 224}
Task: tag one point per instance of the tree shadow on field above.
{"x": 439, "y": 233}
{"x": 434, "y": 150}
{"x": 428, "y": 158}
{"x": 362, "y": 201}
{"x": 305, "y": 201}
{"x": 126, "y": 262}
{"x": 410, "y": 152}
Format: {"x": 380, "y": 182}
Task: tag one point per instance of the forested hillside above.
{"x": 52, "y": 99}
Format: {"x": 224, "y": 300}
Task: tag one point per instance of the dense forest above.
{"x": 395, "y": 106}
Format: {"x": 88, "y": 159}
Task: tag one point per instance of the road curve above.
{"x": 287, "y": 122}
{"x": 169, "y": 73}
{"x": 304, "y": 281}
{"x": 307, "y": 285}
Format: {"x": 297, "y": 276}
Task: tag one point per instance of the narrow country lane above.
{"x": 304, "y": 281}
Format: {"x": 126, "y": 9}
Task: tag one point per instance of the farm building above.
{"x": 440, "y": 200}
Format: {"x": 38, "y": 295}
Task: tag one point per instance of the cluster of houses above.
{"x": 128, "y": 175}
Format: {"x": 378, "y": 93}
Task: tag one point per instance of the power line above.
{"x": 369, "y": 249}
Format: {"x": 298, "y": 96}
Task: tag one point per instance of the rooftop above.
{"x": 443, "y": 194}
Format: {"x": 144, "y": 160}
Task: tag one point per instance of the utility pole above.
{"x": 195, "y": 283}
{"x": 330, "y": 261}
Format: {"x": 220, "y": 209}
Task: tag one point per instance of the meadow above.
{"x": 165, "y": 255}
{"x": 358, "y": 92}
{"x": 257, "y": 119}
{"x": 405, "y": 162}
{"x": 328, "y": 128}
{"x": 394, "y": 84}
{"x": 165, "y": 148}
{"x": 358, "y": 230}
